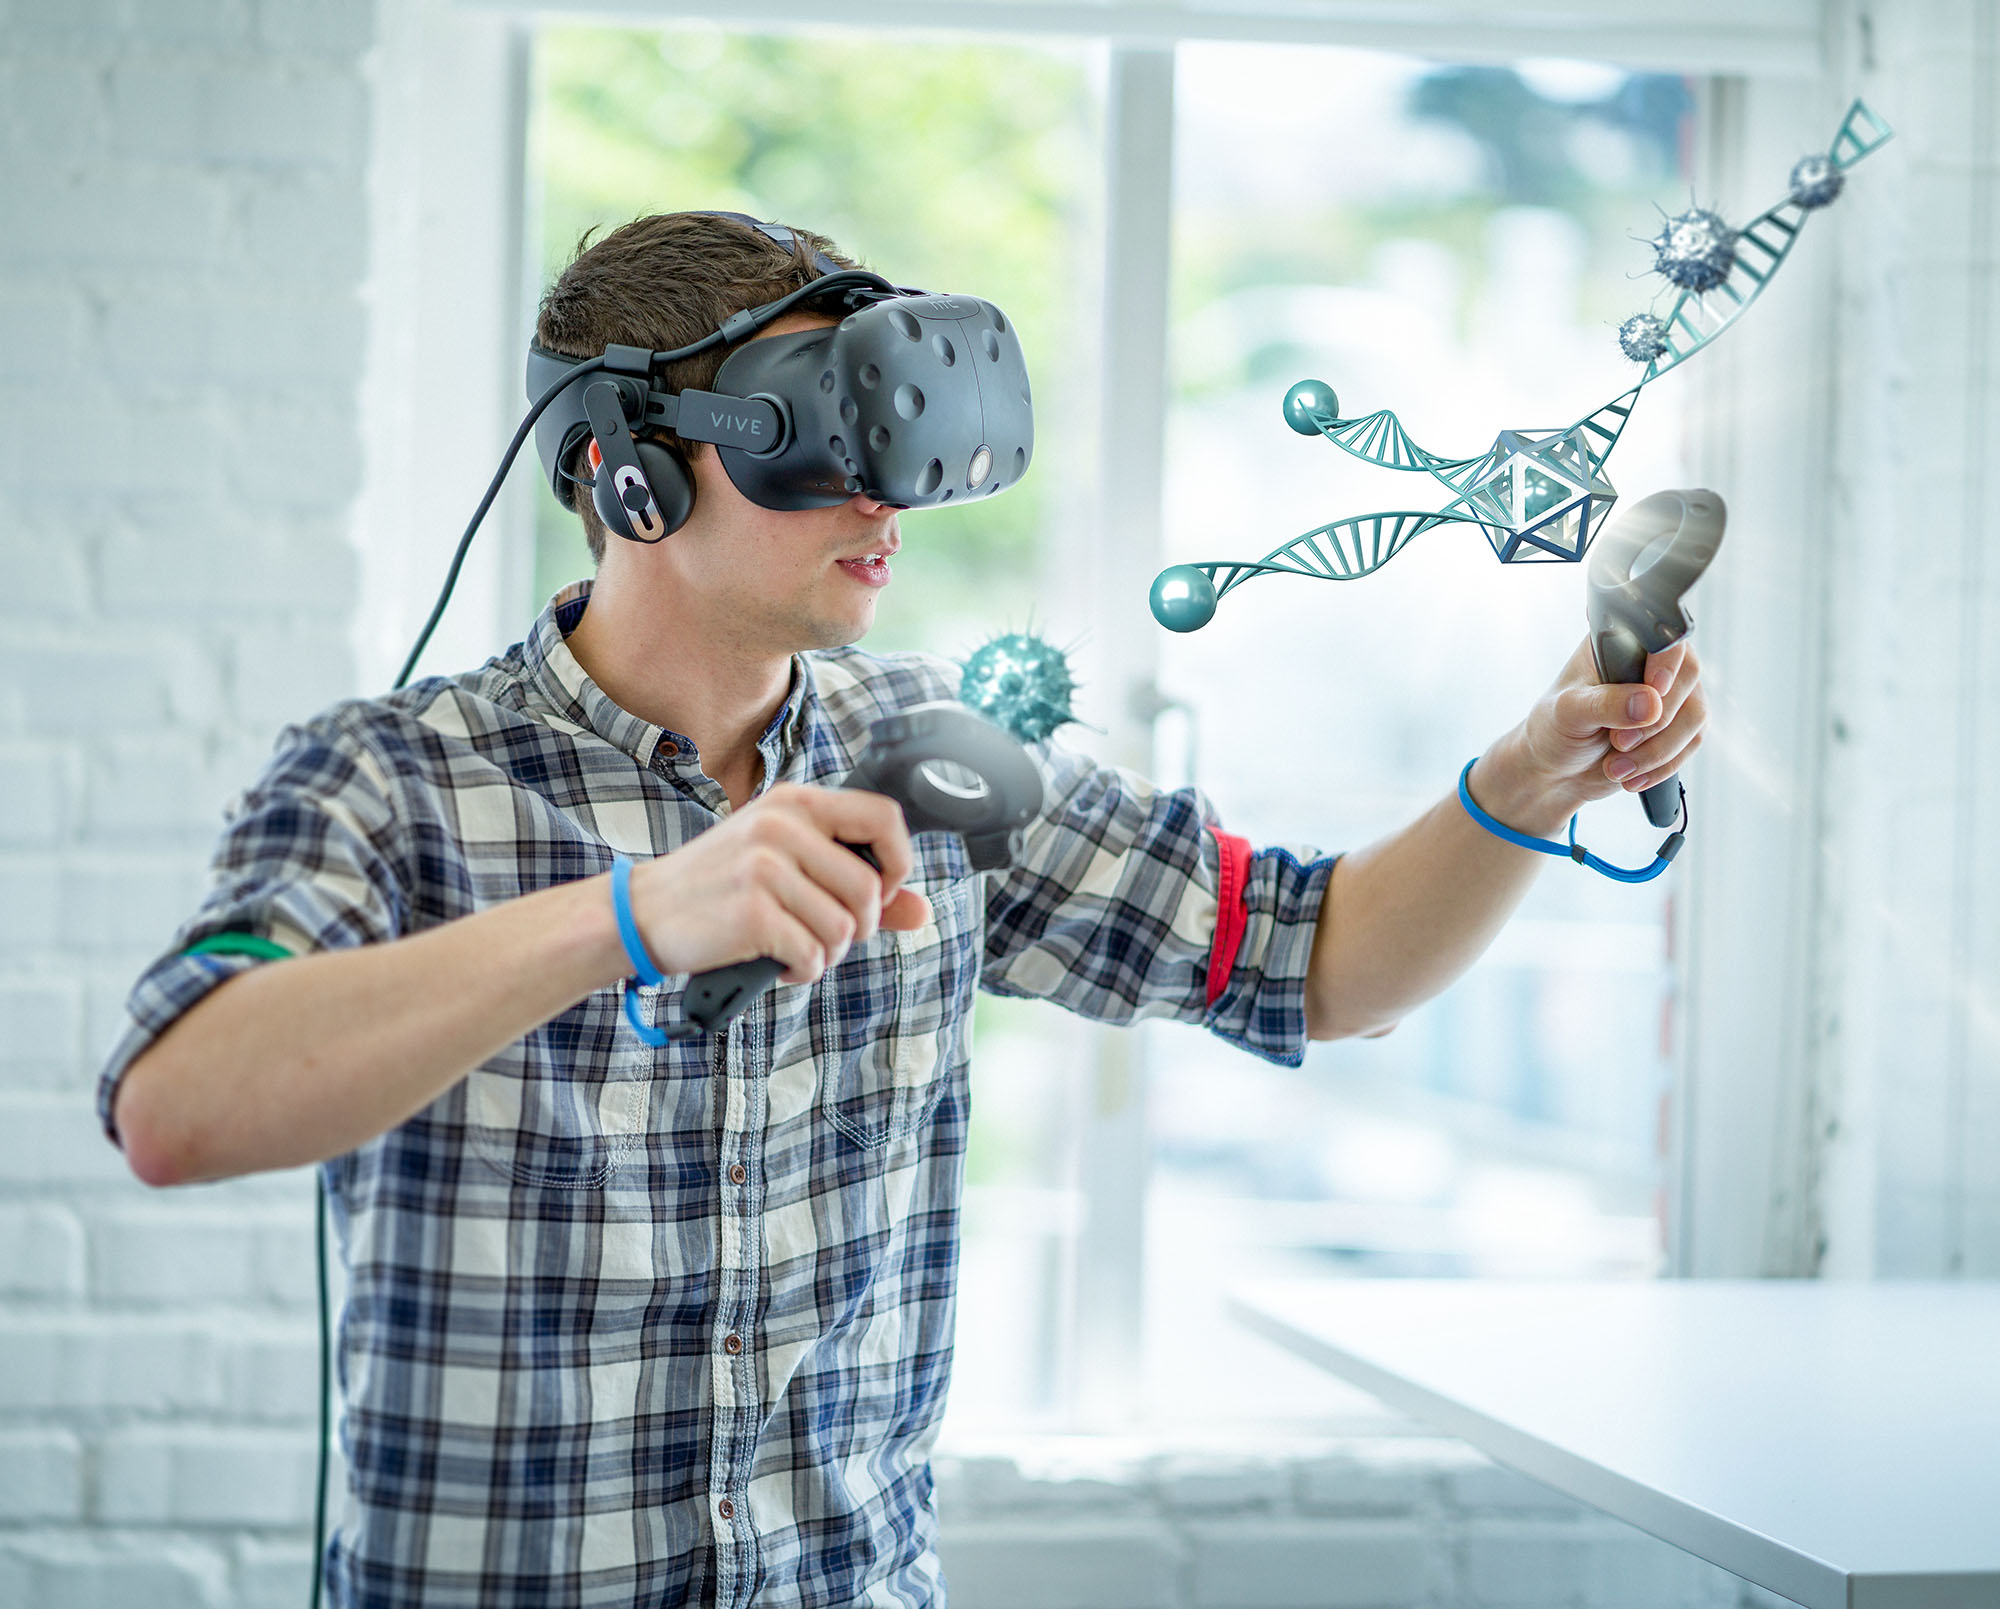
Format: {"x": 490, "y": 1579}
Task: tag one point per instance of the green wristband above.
{"x": 240, "y": 944}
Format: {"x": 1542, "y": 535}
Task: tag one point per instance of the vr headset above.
{"x": 911, "y": 399}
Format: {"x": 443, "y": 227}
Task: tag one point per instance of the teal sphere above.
{"x": 1183, "y": 598}
{"x": 1307, "y": 398}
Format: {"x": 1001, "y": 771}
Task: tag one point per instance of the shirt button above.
{"x": 732, "y": 1344}
{"x": 726, "y": 1509}
{"x": 669, "y": 747}
{"x": 738, "y": 1173}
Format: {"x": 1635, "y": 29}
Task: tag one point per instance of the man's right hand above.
{"x": 777, "y": 878}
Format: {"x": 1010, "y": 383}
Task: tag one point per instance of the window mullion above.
{"x": 1138, "y": 143}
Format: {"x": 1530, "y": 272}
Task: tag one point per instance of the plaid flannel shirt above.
{"x": 627, "y": 1325}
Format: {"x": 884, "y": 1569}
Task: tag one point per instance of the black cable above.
{"x": 535, "y": 412}
{"x": 847, "y": 281}
{"x": 325, "y": 1385}
{"x": 492, "y": 491}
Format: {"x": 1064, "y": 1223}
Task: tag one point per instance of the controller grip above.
{"x": 717, "y": 996}
{"x": 1663, "y": 802}
{"x": 901, "y": 749}
{"x": 1621, "y": 657}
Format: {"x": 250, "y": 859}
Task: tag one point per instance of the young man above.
{"x": 628, "y": 1325}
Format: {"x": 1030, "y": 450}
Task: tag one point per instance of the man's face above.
{"x": 771, "y": 582}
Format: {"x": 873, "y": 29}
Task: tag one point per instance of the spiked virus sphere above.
{"x": 1695, "y": 250}
{"x": 1642, "y": 337}
{"x": 1815, "y": 181}
{"x": 1021, "y": 683}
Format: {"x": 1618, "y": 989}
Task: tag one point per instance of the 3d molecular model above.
{"x": 1537, "y": 495}
{"x": 1020, "y": 683}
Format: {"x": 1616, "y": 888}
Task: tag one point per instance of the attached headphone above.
{"x": 641, "y": 485}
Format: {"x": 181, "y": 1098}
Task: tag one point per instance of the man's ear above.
{"x": 711, "y": 479}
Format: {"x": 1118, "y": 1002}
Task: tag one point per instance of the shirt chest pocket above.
{"x": 887, "y": 1022}
{"x": 566, "y": 1106}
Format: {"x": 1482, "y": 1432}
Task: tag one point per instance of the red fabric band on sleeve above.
{"x": 1232, "y": 916}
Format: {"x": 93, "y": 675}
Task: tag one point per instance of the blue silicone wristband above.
{"x": 628, "y": 929}
{"x": 645, "y": 973}
{"x": 1569, "y": 851}
{"x": 1500, "y": 829}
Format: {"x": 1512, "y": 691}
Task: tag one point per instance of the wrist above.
{"x": 590, "y": 931}
{"x": 644, "y": 968}
{"x": 1512, "y": 790}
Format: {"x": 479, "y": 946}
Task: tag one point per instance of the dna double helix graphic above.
{"x": 1537, "y": 496}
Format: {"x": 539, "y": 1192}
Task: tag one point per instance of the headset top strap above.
{"x": 781, "y": 235}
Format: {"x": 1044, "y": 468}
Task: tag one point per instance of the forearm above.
{"x": 1404, "y": 917}
{"x": 297, "y": 1061}
{"x": 301, "y": 1060}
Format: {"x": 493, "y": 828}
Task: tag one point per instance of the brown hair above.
{"x": 663, "y": 282}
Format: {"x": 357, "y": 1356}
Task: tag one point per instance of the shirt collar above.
{"x": 572, "y": 695}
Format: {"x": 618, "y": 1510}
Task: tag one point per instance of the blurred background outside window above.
{"x": 1459, "y": 244}
{"x": 1455, "y": 243}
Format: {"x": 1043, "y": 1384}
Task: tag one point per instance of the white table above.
{"x": 1837, "y": 1443}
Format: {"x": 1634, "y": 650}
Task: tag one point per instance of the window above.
{"x": 978, "y": 173}
{"x": 1455, "y": 243}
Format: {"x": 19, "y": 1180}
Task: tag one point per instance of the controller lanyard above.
{"x": 646, "y": 972}
{"x": 1662, "y": 857}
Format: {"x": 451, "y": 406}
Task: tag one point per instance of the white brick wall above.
{"x": 1416, "y": 1522}
{"x": 183, "y": 244}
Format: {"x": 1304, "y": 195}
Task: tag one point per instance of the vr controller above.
{"x": 1641, "y": 566}
{"x": 951, "y": 771}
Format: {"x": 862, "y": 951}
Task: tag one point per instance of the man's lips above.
{"x": 870, "y": 569}
{"x": 885, "y": 546}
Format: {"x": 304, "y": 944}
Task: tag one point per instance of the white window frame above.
{"x": 1750, "y": 1119}
{"x": 449, "y": 279}
{"x": 445, "y": 392}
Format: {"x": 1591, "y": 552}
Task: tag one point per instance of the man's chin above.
{"x": 830, "y": 632}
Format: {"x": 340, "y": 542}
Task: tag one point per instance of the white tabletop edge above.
{"x": 1918, "y": 1592}
{"x": 1804, "y": 1579}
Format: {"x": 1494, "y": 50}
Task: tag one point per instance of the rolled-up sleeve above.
{"x": 308, "y": 862}
{"x": 1116, "y": 910}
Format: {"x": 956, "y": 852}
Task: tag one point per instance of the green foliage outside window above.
{"x": 954, "y": 167}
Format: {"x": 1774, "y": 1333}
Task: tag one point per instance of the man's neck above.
{"x": 717, "y": 693}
